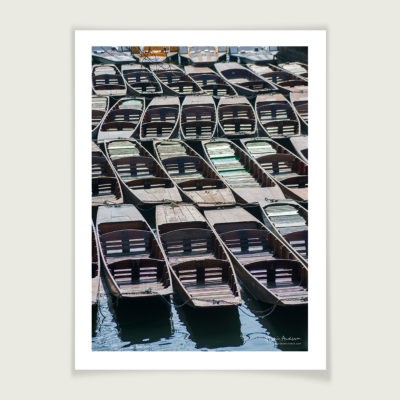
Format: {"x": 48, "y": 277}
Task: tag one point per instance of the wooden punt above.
{"x": 288, "y": 170}
{"x": 300, "y": 104}
{"x": 123, "y": 120}
{"x": 106, "y": 188}
{"x": 266, "y": 265}
{"x": 153, "y": 54}
{"x": 253, "y": 54}
{"x": 198, "y": 117}
{"x": 295, "y": 68}
{"x": 100, "y": 106}
{"x": 134, "y": 264}
{"x": 95, "y": 268}
{"x": 301, "y": 146}
{"x": 210, "y": 82}
{"x": 161, "y": 118}
{"x": 174, "y": 81}
{"x": 196, "y": 180}
{"x": 201, "y": 271}
{"x": 276, "y": 117}
{"x": 236, "y": 117}
{"x": 246, "y": 82}
{"x": 289, "y": 220}
{"x": 140, "y": 81}
{"x": 142, "y": 178}
{"x": 248, "y": 181}
{"x": 283, "y": 80}
{"x": 202, "y": 55}
{"x": 108, "y": 81}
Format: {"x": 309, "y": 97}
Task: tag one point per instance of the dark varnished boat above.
{"x": 142, "y": 178}
{"x": 266, "y": 265}
{"x": 140, "y": 81}
{"x": 300, "y": 103}
{"x": 283, "y": 80}
{"x": 196, "y": 180}
{"x": 95, "y": 269}
{"x": 289, "y": 171}
{"x": 240, "y": 172}
{"x": 246, "y": 82}
{"x": 134, "y": 263}
{"x": 301, "y": 146}
{"x": 289, "y": 220}
{"x": 174, "y": 81}
{"x": 236, "y": 118}
{"x": 295, "y": 68}
{"x": 106, "y": 188}
{"x": 161, "y": 118}
{"x": 123, "y": 120}
{"x": 202, "y": 55}
{"x": 210, "y": 82}
{"x": 198, "y": 117}
{"x": 201, "y": 270}
{"x": 108, "y": 81}
{"x": 100, "y": 106}
{"x": 276, "y": 117}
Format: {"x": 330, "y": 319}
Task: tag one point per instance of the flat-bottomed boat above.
{"x": 108, "y": 81}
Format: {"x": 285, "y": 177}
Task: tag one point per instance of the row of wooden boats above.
{"x": 198, "y": 117}
{"x": 197, "y": 256}
{"x": 261, "y": 170}
{"x": 229, "y": 78}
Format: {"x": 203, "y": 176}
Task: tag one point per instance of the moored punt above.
{"x": 134, "y": 263}
{"x": 140, "y": 81}
{"x": 122, "y": 121}
{"x": 113, "y": 55}
{"x": 266, "y": 265}
{"x": 174, "y": 81}
{"x": 142, "y": 178}
{"x": 196, "y": 180}
{"x": 198, "y": 117}
{"x": 236, "y": 118}
{"x": 95, "y": 268}
{"x": 210, "y": 82}
{"x": 202, "y": 55}
{"x": 201, "y": 270}
{"x": 108, "y": 81}
{"x": 289, "y": 171}
{"x": 245, "y": 82}
{"x": 276, "y": 117}
{"x": 106, "y": 188}
{"x": 253, "y": 54}
{"x": 300, "y": 104}
{"x": 295, "y": 68}
{"x": 289, "y": 220}
{"x": 153, "y": 54}
{"x": 161, "y": 118}
{"x": 283, "y": 80}
{"x": 100, "y": 106}
{"x": 301, "y": 146}
{"x": 249, "y": 182}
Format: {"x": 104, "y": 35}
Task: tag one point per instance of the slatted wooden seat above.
{"x": 121, "y": 149}
{"x": 193, "y": 129}
{"x": 129, "y": 168}
{"x": 302, "y": 109}
{"x": 283, "y": 128}
{"x": 100, "y": 167}
{"x": 299, "y": 241}
{"x": 157, "y": 129}
{"x": 183, "y": 168}
{"x": 260, "y": 148}
{"x": 285, "y": 216}
{"x": 272, "y": 111}
{"x": 170, "y": 149}
{"x": 105, "y": 190}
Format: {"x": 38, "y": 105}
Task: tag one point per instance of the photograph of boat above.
{"x": 108, "y": 81}
{"x": 140, "y": 81}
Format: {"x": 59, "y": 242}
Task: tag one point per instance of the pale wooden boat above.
{"x": 106, "y": 188}
{"x": 202, "y": 55}
{"x": 266, "y": 265}
{"x": 100, "y": 106}
{"x": 295, "y": 68}
{"x": 95, "y": 268}
{"x": 282, "y": 80}
{"x": 201, "y": 270}
{"x": 210, "y": 82}
{"x": 236, "y": 117}
{"x": 142, "y": 178}
{"x": 245, "y": 82}
{"x": 300, "y": 144}
{"x": 300, "y": 104}
{"x": 174, "y": 81}
{"x": 134, "y": 264}
{"x": 140, "y": 81}
{"x": 111, "y": 55}
{"x": 198, "y": 117}
{"x": 248, "y": 181}
{"x": 161, "y": 119}
{"x": 108, "y": 81}
{"x": 196, "y": 180}
{"x": 123, "y": 120}
{"x": 249, "y": 54}
{"x": 289, "y": 220}
{"x": 288, "y": 170}
{"x": 276, "y": 117}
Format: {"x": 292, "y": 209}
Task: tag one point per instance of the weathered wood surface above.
{"x": 301, "y": 145}
{"x": 140, "y": 81}
{"x": 108, "y": 81}
{"x": 300, "y": 104}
